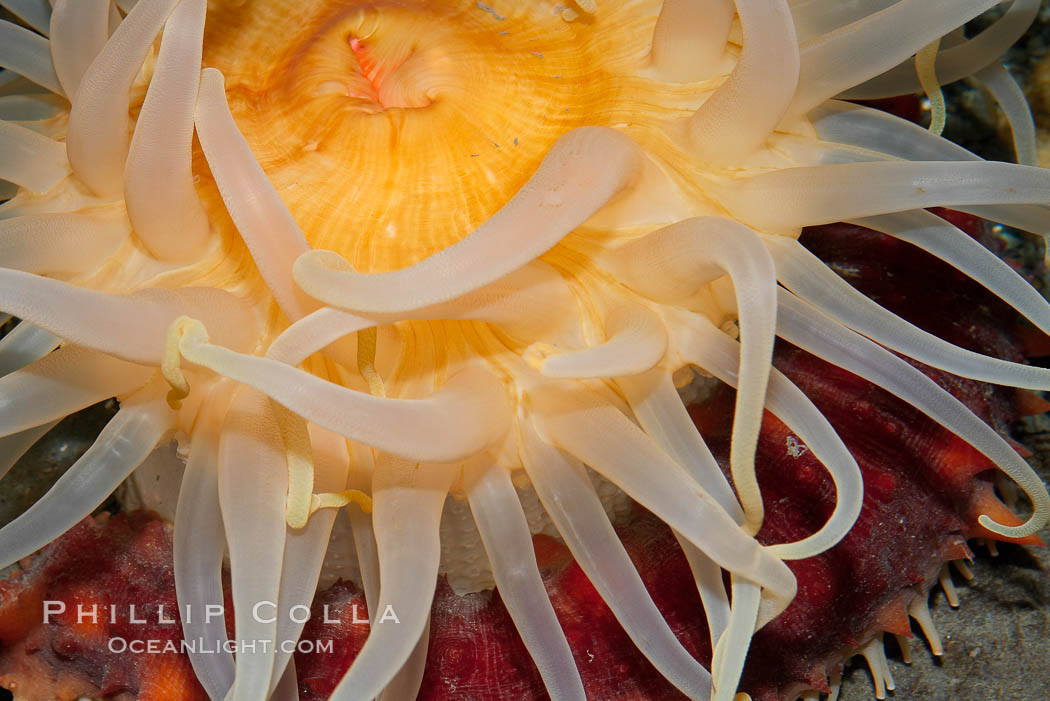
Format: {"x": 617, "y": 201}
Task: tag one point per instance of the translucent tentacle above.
{"x": 1012, "y": 101}
{"x": 873, "y": 129}
{"x": 660, "y": 412}
{"x": 957, "y": 61}
{"x": 892, "y": 136}
{"x": 727, "y": 662}
{"x": 690, "y": 38}
{"x": 670, "y": 264}
{"x": 70, "y": 379}
{"x": 32, "y": 107}
{"x": 508, "y": 542}
{"x": 313, "y": 332}
{"x": 955, "y": 247}
{"x": 808, "y": 277}
{"x": 408, "y": 680}
{"x": 13, "y": 447}
{"x": 636, "y": 340}
{"x": 262, "y": 219}
{"x": 253, "y": 483}
{"x": 701, "y": 343}
{"x": 409, "y": 554}
{"x": 79, "y": 30}
{"x": 604, "y": 439}
{"x": 360, "y": 477}
{"x": 288, "y": 686}
{"x": 123, "y": 444}
{"x": 570, "y": 500}
{"x": 71, "y": 243}
{"x": 851, "y": 54}
{"x": 23, "y": 345}
{"x": 711, "y": 587}
{"x": 814, "y": 18}
{"x": 520, "y": 303}
{"x": 158, "y": 176}
{"x": 812, "y": 195}
{"x": 582, "y": 171}
{"x": 97, "y": 142}
{"x": 304, "y": 549}
{"x": 741, "y": 114}
{"x": 35, "y": 13}
{"x": 28, "y": 54}
{"x": 813, "y": 331}
{"x": 29, "y": 159}
{"x": 132, "y": 327}
{"x": 466, "y": 415}
{"x": 198, "y": 545}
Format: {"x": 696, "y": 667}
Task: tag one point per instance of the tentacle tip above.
{"x": 296, "y": 517}
{"x": 175, "y": 397}
{"x": 1035, "y": 523}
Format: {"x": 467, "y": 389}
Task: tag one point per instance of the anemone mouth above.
{"x": 366, "y": 290}
{"x": 426, "y": 116}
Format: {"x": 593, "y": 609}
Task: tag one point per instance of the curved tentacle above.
{"x": 60, "y": 383}
{"x": 1012, "y": 101}
{"x": 956, "y": 62}
{"x": 132, "y": 327}
{"x": 159, "y": 192}
{"x": 636, "y": 341}
{"x": 690, "y": 38}
{"x": 808, "y": 277}
{"x": 253, "y": 482}
{"x": 462, "y": 418}
{"x": 811, "y": 195}
{"x": 98, "y": 138}
{"x": 727, "y": 661}
{"x": 508, "y": 541}
{"x": 661, "y": 414}
{"x": 671, "y": 264}
{"x": 701, "y": 343}
{"x": 29, "y": 55}
{"x": 304, "y": 549}
{"x": 198, "y": 546}
{"x": 79, "y": 30}
{"x": 813, "y": 331}
{"x": 262, "y": 219}
{"x": 582, "y": 171}
{"x": 604, "y": 439}
{"x": 124, "y": 443}
{"x": 741, "y": 114}
{"x": 29, "y": 159}
{"x": 362, "y": 465}
{"x": 561, "y": 480}
{"x": 851, "y": 54}
{"x": 72, "y": 243}
{"x": 956, "y": 248}
{"x": 409, "y": 555}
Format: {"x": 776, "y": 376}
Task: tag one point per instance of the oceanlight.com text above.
{"x": 205, "y": 647}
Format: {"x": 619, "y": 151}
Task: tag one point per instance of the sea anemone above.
{"x": 432, "y": 248}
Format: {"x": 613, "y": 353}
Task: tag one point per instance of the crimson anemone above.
{"x": 434, "y": 248}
